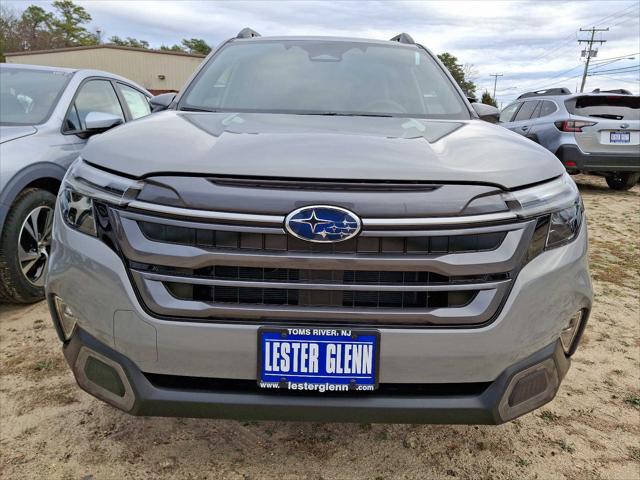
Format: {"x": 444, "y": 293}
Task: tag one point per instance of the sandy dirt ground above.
{"x": 51, "y": 429}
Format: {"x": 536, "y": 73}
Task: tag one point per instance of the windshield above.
{"x": 325, "y": 77}
{"x": 27, "y": 96}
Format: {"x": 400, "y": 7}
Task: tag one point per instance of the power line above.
{"x": 551, "y": 78}
{"x": 600, "y": 60}
{"x": 628, "y": 72}
{"x": 613, "y": 15}
{"x": 589, "y": 49}
{"x": 541, "y": 87}
{"x": 635, "y": 82}
{"x": 623, "y": 21}
{"x": 565, "y": 43}
{"x": 633, "y": 67}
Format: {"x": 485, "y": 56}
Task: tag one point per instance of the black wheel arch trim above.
{"x": 22, "y": 179}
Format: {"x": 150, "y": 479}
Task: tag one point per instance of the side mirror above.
{"x": 488, "y": 113}
{"x": 161, "y": 102}
{"x": 98, "y": 122}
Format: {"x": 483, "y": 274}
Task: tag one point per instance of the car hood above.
{"x": 13, "y": 132}
{"x": 322, "y": 147}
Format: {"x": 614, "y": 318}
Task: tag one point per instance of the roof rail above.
{"x": 247, "y": 33}
{"x": 620, "y": 91}
{"x": 548, "y": 91}
{"x": 402, "y": 38}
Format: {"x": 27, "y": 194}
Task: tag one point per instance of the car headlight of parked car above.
{"x": 77, "y": 211}
{"x": 84, "y": 189}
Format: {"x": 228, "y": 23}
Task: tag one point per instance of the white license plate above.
{"x": 619, "y": 137}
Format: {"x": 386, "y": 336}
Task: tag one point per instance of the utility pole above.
{"x": 495, "y": 82}
{"x": 589, "y": 51}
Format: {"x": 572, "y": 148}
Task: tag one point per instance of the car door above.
{"x": 522, "y": 122}
{"x": 541, "y": 122}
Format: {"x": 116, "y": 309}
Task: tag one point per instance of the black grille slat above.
{"x": 400, "y": 245}
{"x": 320, "y": 298}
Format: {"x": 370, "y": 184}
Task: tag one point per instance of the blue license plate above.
{"x": 321, "y": 360}
{"x": 620, "y": 137}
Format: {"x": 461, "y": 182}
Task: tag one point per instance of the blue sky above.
{"x": 532, "y": 43}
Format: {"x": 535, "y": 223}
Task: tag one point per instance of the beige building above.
{"x": 156, "y": 70}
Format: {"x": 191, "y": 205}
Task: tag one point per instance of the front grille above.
{"x": 418, "y": 245}
{"x": 250, "y": 273}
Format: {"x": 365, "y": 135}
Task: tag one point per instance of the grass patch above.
{"x": 44, "y": 365}
{"x": 632, "y": 399}
{"x": 549, "y": 416}
{"x": 566, "y": 447}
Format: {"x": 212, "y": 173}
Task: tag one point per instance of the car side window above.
{"x": 526, "y": 111}
{"x": 547, "y": 108}
{"x": 93, "y": 96}
{"x": 137, "y": 102}
{"x": 508, "y": 112}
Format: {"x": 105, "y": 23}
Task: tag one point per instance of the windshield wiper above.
{"x": 196, "y": 109}
{"x": 607, "y": 115}
{"x": 341, "y": 114}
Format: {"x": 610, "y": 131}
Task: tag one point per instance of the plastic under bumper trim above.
{"x": 150, "y": 400}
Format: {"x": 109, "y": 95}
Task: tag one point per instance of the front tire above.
{"x": 622, "y": 181}
{"x": 25, "y": 245}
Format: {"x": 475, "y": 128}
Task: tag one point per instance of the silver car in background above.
{"x": 596, "y": 133}
{"x": 46, "y": 117}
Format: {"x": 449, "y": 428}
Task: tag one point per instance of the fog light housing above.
{"x": 66, "y": 317}
{"x": 529, "y": 389}
{"x": 569, "y": 332}
{"x": 104, "y": 378}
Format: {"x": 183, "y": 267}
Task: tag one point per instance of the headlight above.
{"x": 548, "y": 197}
{"x": 558, "y": 209}
{"x": 564, "y": 226}
{"x": 77, "y": 211}
{"x": 83, "y": 185}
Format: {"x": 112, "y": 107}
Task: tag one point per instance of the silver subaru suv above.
{"x": 319, "y": 229}
{"x": 596, "y": 133}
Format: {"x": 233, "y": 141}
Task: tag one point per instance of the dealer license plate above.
{"x": 321, "y": 360}
{"x": 620, "y": 137}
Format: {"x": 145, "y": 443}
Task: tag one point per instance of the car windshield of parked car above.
{"x": 27, "y": 97}
{"x": 325, "y": 78}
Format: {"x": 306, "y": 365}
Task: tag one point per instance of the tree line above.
{"x": 66, "y": 26}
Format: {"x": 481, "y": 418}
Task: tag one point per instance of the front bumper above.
{"x": 93, "y": 281}
{"x": 141, "y": 396}
{"x": 597, "y": 162}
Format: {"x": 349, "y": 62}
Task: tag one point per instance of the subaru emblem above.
{"x": 323, "y": 224}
